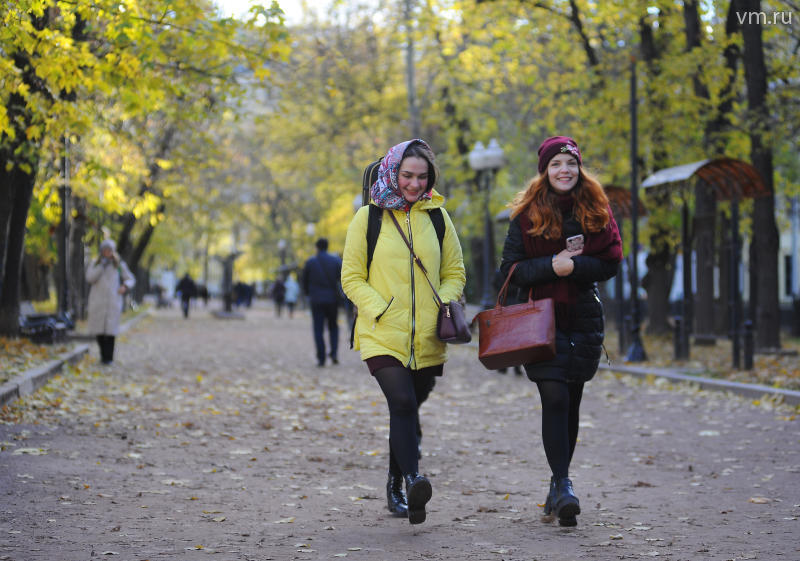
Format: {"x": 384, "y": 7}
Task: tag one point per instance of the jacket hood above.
{"x": 385, "y": 192}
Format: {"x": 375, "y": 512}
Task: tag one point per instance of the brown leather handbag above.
{"x": 517, "y": 334}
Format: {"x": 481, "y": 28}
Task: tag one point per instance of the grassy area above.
{"x": 716, "y": 361}
{"x": 20, "y": 355}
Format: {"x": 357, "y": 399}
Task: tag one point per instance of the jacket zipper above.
{"x": 413, "y": 293}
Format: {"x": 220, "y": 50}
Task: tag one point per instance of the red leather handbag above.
{"x": 517, "y": 334}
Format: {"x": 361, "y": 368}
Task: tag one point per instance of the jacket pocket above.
{"x": 380, "y": 315}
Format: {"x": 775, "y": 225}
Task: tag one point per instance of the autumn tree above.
{"x": 61, "y": 59}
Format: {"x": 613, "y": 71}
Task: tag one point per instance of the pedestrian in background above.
{"x": 188, "y": 290}
{"x": 395, "y": 329}
{"x": 292, "y": 293}
{"x": 278, "y": 295}
{"x": 109, "y": 279}
{"x": 321, "y": 283}
{"x": 564, "y": 240}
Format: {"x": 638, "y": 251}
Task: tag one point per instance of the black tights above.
{"x": 561, "y": 404}
{"x": 405, "y": 391}
{"x": 106, "y": 344}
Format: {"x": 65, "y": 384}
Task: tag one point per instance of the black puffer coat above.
{"x": 579, "y": 344}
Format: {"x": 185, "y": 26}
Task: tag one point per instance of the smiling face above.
{"x": 412, "y": 178}
{"x": 563, "y": 172}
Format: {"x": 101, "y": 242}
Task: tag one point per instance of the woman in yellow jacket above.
{"x": 396, "y": 325}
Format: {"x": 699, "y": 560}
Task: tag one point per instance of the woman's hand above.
{"x": 562, "y": 262}
{"x": 122, "y": 289}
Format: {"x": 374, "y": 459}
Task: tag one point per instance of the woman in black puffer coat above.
{"x": 564, "y": 239}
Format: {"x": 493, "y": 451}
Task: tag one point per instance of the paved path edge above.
{"x": 31, "y": 380}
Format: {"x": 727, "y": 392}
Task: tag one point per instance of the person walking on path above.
{"x": 292, "y": 293}
{"x": 395, "y": 329}
{"x": 278, "y": 295}
{"x": 321, "y": 277}
{"x": 188, "y": 290}
{"x": 564, "y": 239}
{"x": 109, "y": 279}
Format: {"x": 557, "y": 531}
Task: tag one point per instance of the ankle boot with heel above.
{"x": 418, "y": 493}
{"x": 565, "y": 504}
{"x": 395, "y": 497}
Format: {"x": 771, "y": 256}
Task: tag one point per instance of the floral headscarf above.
{"x": 385, "y": 192}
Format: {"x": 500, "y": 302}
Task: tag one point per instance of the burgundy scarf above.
{"x": 605, "y": 245}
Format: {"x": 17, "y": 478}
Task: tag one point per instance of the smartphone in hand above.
{"x": 575, "y": 243}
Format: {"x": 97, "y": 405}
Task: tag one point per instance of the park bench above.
{"x": 43, "y": 328}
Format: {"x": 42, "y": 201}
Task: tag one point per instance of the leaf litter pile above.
{"x": 20, "y": 355}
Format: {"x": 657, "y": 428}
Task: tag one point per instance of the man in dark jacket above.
{"x": 322, "y": 284}
{"x": 188, "y": 290}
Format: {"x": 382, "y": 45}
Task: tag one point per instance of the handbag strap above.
{"x": 501, "y": 296}
{"x": 416, "y": 259}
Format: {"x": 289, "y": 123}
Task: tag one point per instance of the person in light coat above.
{"x": 292, "y": 293}
{"x": 109, "y": 279}
{"x": 396, "y": 325}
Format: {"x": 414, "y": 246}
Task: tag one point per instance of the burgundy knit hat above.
{"x": 556, "y": 145}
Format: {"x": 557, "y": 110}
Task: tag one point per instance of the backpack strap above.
{"x": 438, "y": 224}
{"x": 373, "y": 229}
{"x": 369, "y": 177}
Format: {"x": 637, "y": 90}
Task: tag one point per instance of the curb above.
{"x": 756, "y": 391}
{"x": 33, "y": 379}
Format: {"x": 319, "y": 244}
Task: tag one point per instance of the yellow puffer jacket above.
{"x": 396, "y": 307}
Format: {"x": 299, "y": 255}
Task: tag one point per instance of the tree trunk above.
{"x": 765, "y": 231}
{"x": 705, "y": 200}
{"x": 14, "y": 210}
{"x": 661, "y": 259}
{"x": 9, "y": 190}
{"x": 18, "y": 184}
{"x": 77, "y": 255}
{"x": 15, "y": 243}
{"x": 34, "y": 285}
{"x": 721, "y": 324}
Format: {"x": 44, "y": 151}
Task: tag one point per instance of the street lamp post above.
{"x": 282, "y": 252}
{"x": 485, "y": 161}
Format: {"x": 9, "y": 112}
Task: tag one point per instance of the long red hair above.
{"x": 540, "y": 203}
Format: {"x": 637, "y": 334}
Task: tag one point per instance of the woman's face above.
{"x": 563, "y": 172}
{"x": 107, "y": 252}
{"x": 412, "y": 178}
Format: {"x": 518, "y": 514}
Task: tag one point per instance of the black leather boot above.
{"x": 395, "y": 497}
{"x": 548, "y": 504}
{"x": 565, "y": 503}
{"x": 418, "y": 493}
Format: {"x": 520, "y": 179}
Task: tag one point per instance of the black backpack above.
{"x": 376, "y": 213}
